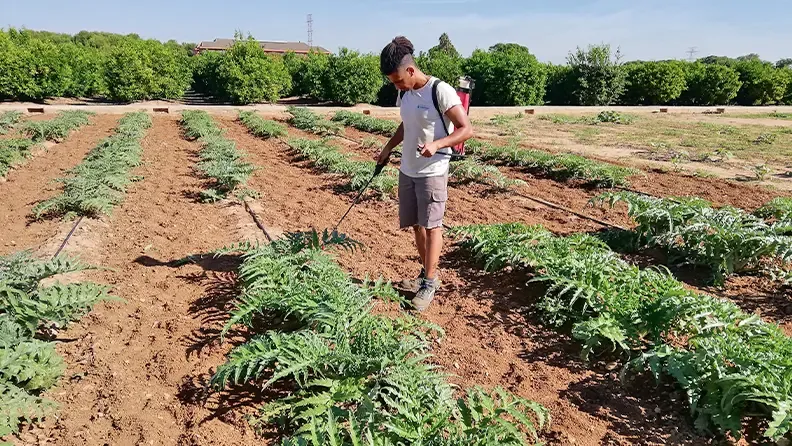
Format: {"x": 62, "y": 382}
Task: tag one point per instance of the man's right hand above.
{"x": 382, "y": 158}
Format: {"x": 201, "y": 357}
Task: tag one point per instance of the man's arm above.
{"x": 463, "y": 130}
{"x": 394, "y": 141}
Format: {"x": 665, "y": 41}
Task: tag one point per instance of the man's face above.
{"x": 403, "y": 78}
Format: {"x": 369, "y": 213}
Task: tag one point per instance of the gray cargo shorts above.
{"x": 422, "y": 201}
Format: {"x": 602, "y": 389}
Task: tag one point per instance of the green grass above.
{"x": 56, "y": 129}
{"x": 97, "y": 184}
{"x": 732, "y": 365}
{"x": 220, "y": 162}
{"x": 29, "y": 365}
{"x": 353, "y": 374}
{"x": 771, "y": 115}
{"x": 557, "y": 166}
{"x": 606, "y": 116}
{"x": 8, "y": 120}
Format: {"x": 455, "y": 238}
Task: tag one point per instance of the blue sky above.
{"x": 643, "y": 30}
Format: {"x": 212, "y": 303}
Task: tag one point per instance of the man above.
{"x": 423, "y": 176}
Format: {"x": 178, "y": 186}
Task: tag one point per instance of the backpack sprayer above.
{"x": 465, "y": 92}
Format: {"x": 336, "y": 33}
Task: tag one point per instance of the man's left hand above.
{"x": 428, "y": 150}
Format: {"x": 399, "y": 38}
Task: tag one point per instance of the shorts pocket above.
{"x": 439, "y": 195}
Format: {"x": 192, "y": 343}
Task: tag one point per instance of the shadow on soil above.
{"x": 639, "y": 411}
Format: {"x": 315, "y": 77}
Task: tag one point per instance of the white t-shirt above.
{"x": 422, "y": 124}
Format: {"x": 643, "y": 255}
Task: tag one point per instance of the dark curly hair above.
{"x": 396, "y": 54}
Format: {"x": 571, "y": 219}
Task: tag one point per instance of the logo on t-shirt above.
{"x": 422, "y": 107}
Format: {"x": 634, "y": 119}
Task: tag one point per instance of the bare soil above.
{"x": 138, "y": 369}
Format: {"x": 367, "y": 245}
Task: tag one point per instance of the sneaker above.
{"x": 415, "y": 284}
{"x": 425, "y": 294}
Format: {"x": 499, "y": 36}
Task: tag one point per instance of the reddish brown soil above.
{"x": 137, "y": 369}
{"x": 32, "y": 182}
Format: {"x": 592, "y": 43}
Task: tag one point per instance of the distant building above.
{"x": 269, "y": 46}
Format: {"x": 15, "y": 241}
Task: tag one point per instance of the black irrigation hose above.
{"x": 257, "y": 221}
{"x": 63, "y": 245}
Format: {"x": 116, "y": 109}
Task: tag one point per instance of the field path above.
{"x": 136, "y": 368}
{"x": 31, "y": 182}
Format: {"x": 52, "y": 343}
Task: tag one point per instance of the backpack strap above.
{"x": 437, "y": 105}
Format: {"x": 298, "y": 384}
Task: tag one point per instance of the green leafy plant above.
{"x": 654, "y": 83}
{"x": 727, "y": 240}
{"x": 56, "y": 129}
{"x": 502, "y": 61}
{"x": 559, "y": 166}
{"x": 263, "y": 128}
{"x": 366, "y": 123}
{"x": 8, "y": 120}
{"x": 29, "y": 366}
{"x": 12, "y": 152}
{"x": 732, "y": 365}
{"x": 357, "y": 376}
{"x": 779, "y": 208}
{"x": 761, "y": 171}
{"x": 765, "y": 138}
{"x": 600, "y": 76}
{"x": 305, "y": 119}
{"x": 352, "y": 78}
{"x": 357, "y": 173}
{"x": 97, "y": 184}
{"x": 221, "y": 163}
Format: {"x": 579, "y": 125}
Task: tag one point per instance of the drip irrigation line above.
{"x": 63, "y": 245}
{"x": 256, "y": 220}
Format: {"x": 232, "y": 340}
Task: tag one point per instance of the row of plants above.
{"x": 58, "y": 128}
{"x": 606, "y": 116}
{"x": 8, "y": 120}
{"x": 220, "y": 161}
{"x": 260, "y": 127}
{"x": 561, "y": 166}
{"x": 306, "y": 120}
{"x": 365, "y": 123}
{"x": 100, "y": 181}
{"x": 14, "y": 151}
{"x": 328, "y": 158}
{"x": 355, "y": 376}
{"x": 725, "y": 240}
{"x": 732, "y": 365}
{"x": 31, "y": 313}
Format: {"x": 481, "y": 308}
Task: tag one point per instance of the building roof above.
{"x": 270, "y": 46}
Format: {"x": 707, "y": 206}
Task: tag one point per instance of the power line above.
{"x": 692, "y": 51}
{"x": 310, "y": 30}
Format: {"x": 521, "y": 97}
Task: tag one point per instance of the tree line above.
{"x": 36, "y": 65}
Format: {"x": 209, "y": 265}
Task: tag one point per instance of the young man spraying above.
{"x": 427, "y": 137}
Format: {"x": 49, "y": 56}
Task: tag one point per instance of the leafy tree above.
{"x": 441, "y": 65}
{"x": 31, "y": 68}
{"x": 718, "y": 60}
{"x": 204, "y": 68}
{"x": 246, "y": 74}
{"x": 444, "y": 47}
{"x": 784, "y": 63}
{"x": 651, "y": 83}
{"x": 295, "y": 65}
{"x": 353, "y": 78}
{"x": 128, "y": 73}
{"x": 710, "y": 84}
{"x": 314, "y": 76}
{"x": 87, "y": 66}
{"x": 762, "y": 83}
{"x": 507, "y": 74}
{"x": 560, "y": 85}
{"x": 171, "y": 67}
{"x": 599, "y": 75}
{"x": 786, "y": 73}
